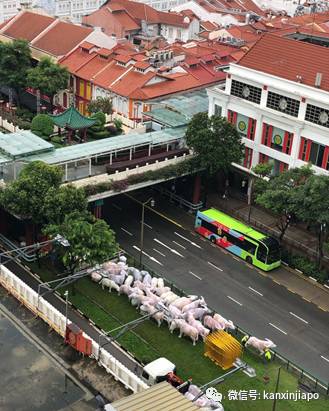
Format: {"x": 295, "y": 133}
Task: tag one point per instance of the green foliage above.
{"x": 165, "y": 173}
{"x": 118, "y": 124}
{"x": 263, "y": 169}
{"x": 25, "y": 196}
{"x": 23, "y": 124}
{"x": 91, "y": 240}
{"x": 48, "y": 77}
{"x": 42, "y": 125}
{"x": 103, "y": 104}
{"x": 215, "y": 142}
{"x": 304, "y": 264}
{"x": 24, "y": 114}
{"x": 15, "y": 61}
{"x": 279, "y": 195}
{"x": 98, "y": 130}
{"x": 62, "y": 201}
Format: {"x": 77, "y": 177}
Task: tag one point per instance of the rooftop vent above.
{"x": 318, "y": 79}
{"x": 299, "y": 78}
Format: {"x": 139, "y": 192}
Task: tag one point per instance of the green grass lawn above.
{"x": 147, "y": 342}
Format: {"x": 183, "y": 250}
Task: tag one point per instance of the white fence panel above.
{"x": 56, "y": 320}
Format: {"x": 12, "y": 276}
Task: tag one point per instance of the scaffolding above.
{"x": 222, "y": 348}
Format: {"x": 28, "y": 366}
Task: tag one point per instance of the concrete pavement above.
{"x": 239, "y": 292}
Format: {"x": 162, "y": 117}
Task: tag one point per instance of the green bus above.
{"x": 252, "y": 246}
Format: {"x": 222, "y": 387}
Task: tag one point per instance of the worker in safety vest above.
{"x": 244, "y": 340}
{"x": 268, "y": 355}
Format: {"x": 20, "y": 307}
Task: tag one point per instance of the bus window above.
{"x": 208, "y": 226}
{"x": 273, "y": 246}
{"x": 248, "y": 246}
{"x": 262, "y": 253}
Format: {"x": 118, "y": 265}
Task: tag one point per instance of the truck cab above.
{"x": 157, "y": 370}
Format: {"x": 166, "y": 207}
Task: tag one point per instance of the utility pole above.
{"x": 276, "y": 389}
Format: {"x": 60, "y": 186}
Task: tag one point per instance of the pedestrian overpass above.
{"x": 96, "y": 162}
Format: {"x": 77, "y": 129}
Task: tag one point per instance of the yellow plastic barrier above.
{"x": 222, "y": 348}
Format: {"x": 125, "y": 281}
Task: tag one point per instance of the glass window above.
{"x": 262, "y": 253}
{"x": 316, "y": 154}
{"x": 218, "y": 110}
{"x": 208, "y": 226}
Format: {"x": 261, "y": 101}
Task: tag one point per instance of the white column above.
{"x": 65, "y": 171}
{"x": 130, "y": 154}
{"x": 111, "y": 158}
{"x": 295, "y": 147}
{"x": 257, "y": 140}
{"x": 90, "y": 167}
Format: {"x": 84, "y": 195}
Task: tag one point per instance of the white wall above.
{"x": 203, "y": 14}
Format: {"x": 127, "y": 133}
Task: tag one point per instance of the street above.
{"x": 238, "y": 292}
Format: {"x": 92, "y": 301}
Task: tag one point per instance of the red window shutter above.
{"x": 270, "y": 135}
{"x": 308, "y": 150}
{"x": 250, "y": 120}
{"x": 264, "y": 133}
{"x": 282, "y": 166}
{"x": 325, "y": 158}
{"x": 229, "y": 116}
{"x": 285, "y": 141}
{"x": 291, "y": 142}
{"x": 235, "y": 116}
{"x": 301, "y": 148}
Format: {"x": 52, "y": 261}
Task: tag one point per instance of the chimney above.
{"x": 318, "y": 79}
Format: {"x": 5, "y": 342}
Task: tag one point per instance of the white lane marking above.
{"x": 159, "y": 252}
{"x": 126, "y": 231}
{"x": 255, "y": 291}
{"x": 194, "y": 275}
{"x": 299, "y": 318}
{"x": 186, "y": 239}
{"x": 116, "y": 206}
{"x": 171, "y": 249}
{"x": 324, "y": 358}
{"x": 232, "y": 299}
{"x": 279, "y": 329}
{"x": 214, "y": 266}
{"x": 147, "y": 225}
{"x": 179, "y": 245}
{"x": 147, "y": 255}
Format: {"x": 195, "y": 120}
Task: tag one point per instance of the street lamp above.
{"x": 152, "y": 202}
{"x": 66, "y": 295}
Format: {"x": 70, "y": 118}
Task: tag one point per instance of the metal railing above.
{"x": 191, "y": 207}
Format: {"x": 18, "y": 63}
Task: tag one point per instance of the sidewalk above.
{"x": 294, "y": 281}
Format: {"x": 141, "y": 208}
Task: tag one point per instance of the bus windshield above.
{"x": 274, "y": 253}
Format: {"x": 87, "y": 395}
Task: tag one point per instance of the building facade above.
{"x": 278, "y": 98}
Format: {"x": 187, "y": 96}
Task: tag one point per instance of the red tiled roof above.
{"x": 126, "y": 20}
{"x": 104, "y": 52}
{"x": 191, "y": 60}
{"x": 86, "y": 45}
{"x": 123, "y": 58}
{"x": 62, "y": 38}
{"x": 28, "y": 26}
{"x": 287, "y": 58}
{"x": 109, "y": 74}
{"x": 76, "y": 59}
{"x": 4, "y": 23}
{"x": 208, "y": 25}
{"x": 142, "y": 65}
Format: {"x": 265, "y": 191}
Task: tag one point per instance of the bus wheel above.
{"x": 213, "y": 239}
{"x": 249, "y": 260}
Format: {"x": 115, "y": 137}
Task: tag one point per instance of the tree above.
{"x": 42, "y": 125}
{"x": 118, "y": 124}
{"x": 98, "y": 129}
{"x": 103, "y": 104}
{"x": 215, "y": 142}
{"x": 279, "y": 195}
{"x": 62, "y": 201}
{"x": 15, "y": 61}
{"x": 91, "y": 240}
{"x": 25, "y": 196}
{"x": 48, "y": 77}
{"x": 312, "y": 206}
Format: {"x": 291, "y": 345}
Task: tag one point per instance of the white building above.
{"x": 278, "y": 98}
{"x": 72, "y": 9}
{"x": 163, "y": 5}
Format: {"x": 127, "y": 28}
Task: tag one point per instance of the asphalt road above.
{"x": 238, "y": 292}
{"x": 73, "y": 315}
